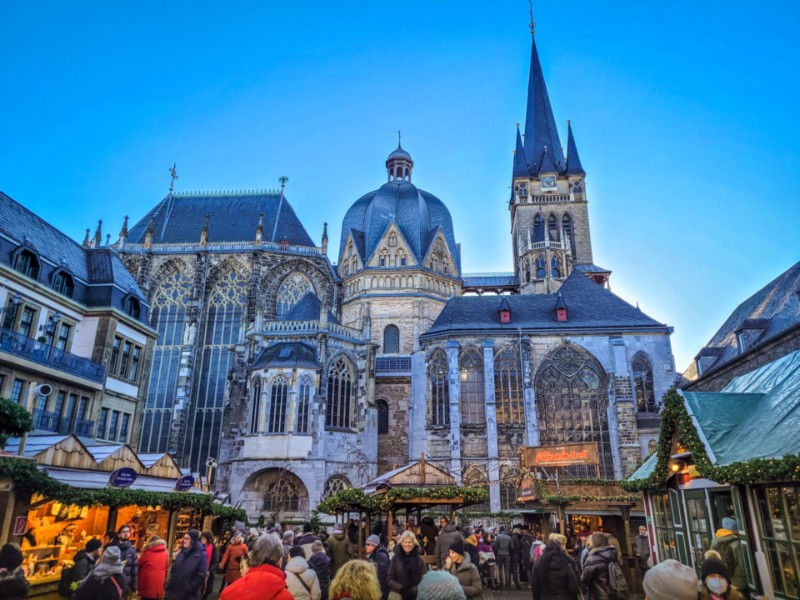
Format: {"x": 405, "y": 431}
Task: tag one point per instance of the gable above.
{"x": 393, "y": 247}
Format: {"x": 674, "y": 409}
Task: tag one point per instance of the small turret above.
{"x": 324, "y": 238}
{"x": 260, "y": 228}
{"x": 574, "y": 166}
{"x": 98, "y": 234}
{"x": 204, "y": 232}
{"x": 86, "y": 242}
{"x": 148, "y": 236}
{"x": 123, "y": 233}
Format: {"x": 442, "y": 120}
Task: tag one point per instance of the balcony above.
{"x": 47, "y": 421}
{"x": 50, "y": 356}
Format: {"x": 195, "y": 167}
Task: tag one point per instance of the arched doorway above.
{"x": 275, "y": 493}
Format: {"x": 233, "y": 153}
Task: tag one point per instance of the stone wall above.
{"x": 393, "y": 446}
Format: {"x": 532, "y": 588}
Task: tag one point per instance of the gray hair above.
{"x": 288, "y": 536}
{"x": 267, "y": 549}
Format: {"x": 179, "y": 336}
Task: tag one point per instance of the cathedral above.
{"x": 296, "y": 376}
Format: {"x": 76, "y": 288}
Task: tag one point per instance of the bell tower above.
{"x": 549, "y": 212}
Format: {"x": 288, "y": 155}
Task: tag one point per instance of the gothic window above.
{"x": 402, "y": 258}
{"x": 167, "y": 317}
{"x": 572, "y": 403}
{"x": 552, "y": 227}
{"x": 383, "y": 417}
{"x": 294, "y": 287}
{"x": 508, "y": 391}
{"x": 278, "y": 399}
{"x": 335, "y": 484}
{"x": 569, "y": 233}
{"x": 255, "y": 413}
{"x": 473, "y": 411}
{"x": 643, "y": 384}
{"x": 64, "y": 284}
{"x": 303, "y": 404}
{"x": 555, "y": 267}
{"x": 540, "y": 263}
{"x": 282, "y": 495}
{"x": 538, "y": 228}
{"x": 340, "y": 403}
{"x": 509, "y": 482}
{"x": 391, "y": 340}
{"x": 382, "y": 260}
{"x": 27, "y": 263}
{"x": 446, "y": 266}
{"x": 392, "y": 240}
{"x": 354, "y": 264}
{"x": 475, "y": 476}
{"x": 438, "y": 370}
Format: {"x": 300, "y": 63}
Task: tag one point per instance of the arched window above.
{"x": 538, "y": 228}
{"x": 27, "y": 263}
{"x": 509, "y": 483}
{"x": 507, "y": 388}
{"x": 340, "y": 395}
{"x": 470, "y": 366}
{"x": 569, "y": 233}
{"x": 132, "y": 307}
{"x": 475, "y": 476}
{"x": 552, "y": 228}
{"x": 383, "y": 417}
{"x": 540, "y": 265}
{"x": 294, "y": 287}
{"x": 555, "y": 267}
{"x": 643, "y": 384}
{"x": 572, "y": 403}
{"x": 391, "y": 340}
{"x": 278, "y": 396}
{"x": 303, "y": 404}
{"x": 64, "y": 284}
{"x": 255, "y": 413}
{"x": 282, "y": 494}
{"x": 392, "y": 240}
{"x": 335, "y": 484}
{"x": 438, "y": 370}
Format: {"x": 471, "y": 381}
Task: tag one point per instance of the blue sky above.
{"x": 685, "y": 117}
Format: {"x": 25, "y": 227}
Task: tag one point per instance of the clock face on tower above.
{"x": 548, "y": 182}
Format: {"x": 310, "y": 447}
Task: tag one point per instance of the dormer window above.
{"x": 561, "y": 309}
{"x": 63, "y": 283}
{"x": 132, "y": 307}
{"x": 504, "y": 311}
{"x": 27, "y": 263}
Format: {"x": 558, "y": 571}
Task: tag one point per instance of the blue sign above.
{"x": 122, "y": 477}
{"x": 184, "y": 483}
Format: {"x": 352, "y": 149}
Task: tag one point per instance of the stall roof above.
{"x": 102, "y": 452}
{"x": 34, "y": 444}
{"x": 416, "y": 474}
{"x": 646, "y": 468}
{"x": 95, "y": 480}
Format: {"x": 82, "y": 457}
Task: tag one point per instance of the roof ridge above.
{"x": 212, "y": 193}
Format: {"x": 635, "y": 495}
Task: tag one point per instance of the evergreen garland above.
{"x": 355, "y": 499}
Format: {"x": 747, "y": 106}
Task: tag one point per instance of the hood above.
{"x": 380, "y": 550}
{"x": 449, "y": 528}
{"x": 606, "y": 552}
{"x": 155, "y": 546}
{"x": 472, "y": 540}
{"x": 465, "y": 564}
{"x": 725, "y": 533}
{"x": 339, "y": 535}
{"x": 297, "y": 564}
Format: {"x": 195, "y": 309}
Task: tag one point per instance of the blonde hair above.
{"x": 356, "y": 579}
{"x": 409, "y": 534}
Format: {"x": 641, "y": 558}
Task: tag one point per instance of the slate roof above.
{"x": 99, "y": 275}
{"x": 179, "y": 218}
{"x": 591, "y": 307}
{"x": 308, "y": 308}
{"x": 590, "y": 268}
{"x": 287, "y": 354}
{"x": 774, "y": 309}
{"x": 489, "y": 279}
{"x": 574, "y": 166}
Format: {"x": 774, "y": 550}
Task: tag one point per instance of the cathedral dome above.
{"x": 418, "y": 214}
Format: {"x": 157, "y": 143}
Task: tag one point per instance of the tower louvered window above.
{"x": 294, "y": 287}
{"x": 440, "y": 391}
{"x": 278, "y": 399}
{"x": 303, "y": 404}
{"x": 340, "y": 403}
{"x": 473, "y": 411}
{"x": 572, "y": 403}
{"x": 508, "y": 391}
{"x": 552, "y": 228}
{"x": 643, "y": 384}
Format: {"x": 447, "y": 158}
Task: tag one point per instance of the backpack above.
{"x": 65, "y": 583}
{"x": 617, "y": 584}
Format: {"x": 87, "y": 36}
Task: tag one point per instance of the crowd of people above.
{"x": 423, "y": 562}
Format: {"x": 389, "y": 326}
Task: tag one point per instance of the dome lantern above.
{"x": 399, "y": 164}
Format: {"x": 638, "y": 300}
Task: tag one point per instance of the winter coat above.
{"x": 427, "y": 535}
{"x": 340, "y": 550}
{"x": 153, "y": 569}
{"x": 264, "y": 582}
{"x": 380, "y": 558}
{"x": 525, "y": 544}
{"x": 321, "y": 564}
{"x": 727, "y": 543}
{"x": 469, "y": 577}
{"x": 83, "y": 565}
{"x": 305, "y": 541}
{"x": 213, "y": 565}
{"x": 731, "y": 594}
{"x": 297, "y": 572}
{"x": 447, "y": 537}
{"x": 105, "y": 582}
{"x": 13, "y": 585}
{"x": 128, "y": 556}
{"x": 502, "y": 545}
{"x": 231, "y": 561}
{"x": 516, "y": 544}
{"x": 406, "y": 571}
{"x": 471, "y": 546}
{"x": 613, "y": 541}
{"x": 595, "y": 572}
{"x": 554, "y": 577}
{"x": 188, "y": 574}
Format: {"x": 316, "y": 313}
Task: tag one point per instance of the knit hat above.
{"x": 730, "y": 524}
{"x": 111, "y": 556}
{"x": 316, "y": 546}
{"x": 670, "y": 580}
{"x": 93, "y": 545}
{"x": 10, "y": 557}
{"x": 374, "y": 540}
{"x": 560, "y": 538}
{"x": 458, "y": 547}
{"x": 439, "y": 585}
{"x": 714, "y": 566}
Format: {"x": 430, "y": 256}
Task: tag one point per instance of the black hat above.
{"x": 10, "y": 557}
{"x": 713, "y": 566}
{"x": 93, "y": 544}
{"x": 458, "y": 547}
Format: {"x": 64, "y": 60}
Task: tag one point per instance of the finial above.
{"x": 98, "y": 234}
{"x": 398, "y": 139}
{"x": 283, "y": 180}
{"x": 86, "y": 239}
{"x": 325, "y": 229}
{"x": 124, "y": 231}
{"x": 173, "y": 174}
{"x": 517, "y": 125}
{"x": 108, "y": 239}
{"x": 532, "y": 23}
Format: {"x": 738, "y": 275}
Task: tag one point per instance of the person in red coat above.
{"x": 231, "y": 559}
{"x": 153, "y": 568}
{"x": 264, "y": 579}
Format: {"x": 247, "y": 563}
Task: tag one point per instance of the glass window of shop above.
{"x": 668, "y": 524}
{"x": 144, "y": 523}
{"x": 779, "y": 527}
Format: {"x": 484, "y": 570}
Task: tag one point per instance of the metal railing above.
{"x": 49, "y": 421}
{"x": 42, "y": 353}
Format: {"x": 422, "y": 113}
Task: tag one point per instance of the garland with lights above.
{"x": 558, "y": 498}
{"x": 355, "y": 499}
{"x": 676, "y": 419}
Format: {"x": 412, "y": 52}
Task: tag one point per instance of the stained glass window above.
{"x": 303, "y": 404}
{"x": 572, "y": 402}
{"x": 340, "y": 395}
{"x": 294, "y": 287}
{"x": 507, "y": 388}
{"x": 643, "y": 384}
{"x": 555, "y": 267}
{"x": 279, "y": 392}
{"x": 473, "y": 411}
{"x": 440, "y": 391}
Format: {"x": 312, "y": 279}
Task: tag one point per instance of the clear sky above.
{"x": 685, "y": 114}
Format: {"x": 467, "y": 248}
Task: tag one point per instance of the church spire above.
{"x": 541, "y": 135}
{"x": 520, "y": 160}
{"x": 573, "y": 160}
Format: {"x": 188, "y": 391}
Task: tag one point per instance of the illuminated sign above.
{"x": 567, "y": 455}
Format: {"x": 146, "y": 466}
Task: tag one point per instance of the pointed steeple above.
{"x": 573, "y": 159}
{"x": 520, "y": 161}
{"x": 86, "y": 239}
{"x": 546, "y": 164}
{"x": 540, "y": 125}
{"x": 98, "y": 234}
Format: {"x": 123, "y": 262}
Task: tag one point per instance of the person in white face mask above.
{"x": 715, "y": 583}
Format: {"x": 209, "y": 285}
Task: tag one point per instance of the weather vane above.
{"x": 283, "y": 179}
{"x": 173, "y": 173}
{"x": 532, "y": 23}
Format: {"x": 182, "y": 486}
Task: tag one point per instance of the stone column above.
{"x": 418, "y": 407}
{"x": 528, "y": 394}
{"x": 455, "y": 410}
{"x": 493, "y": 467}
